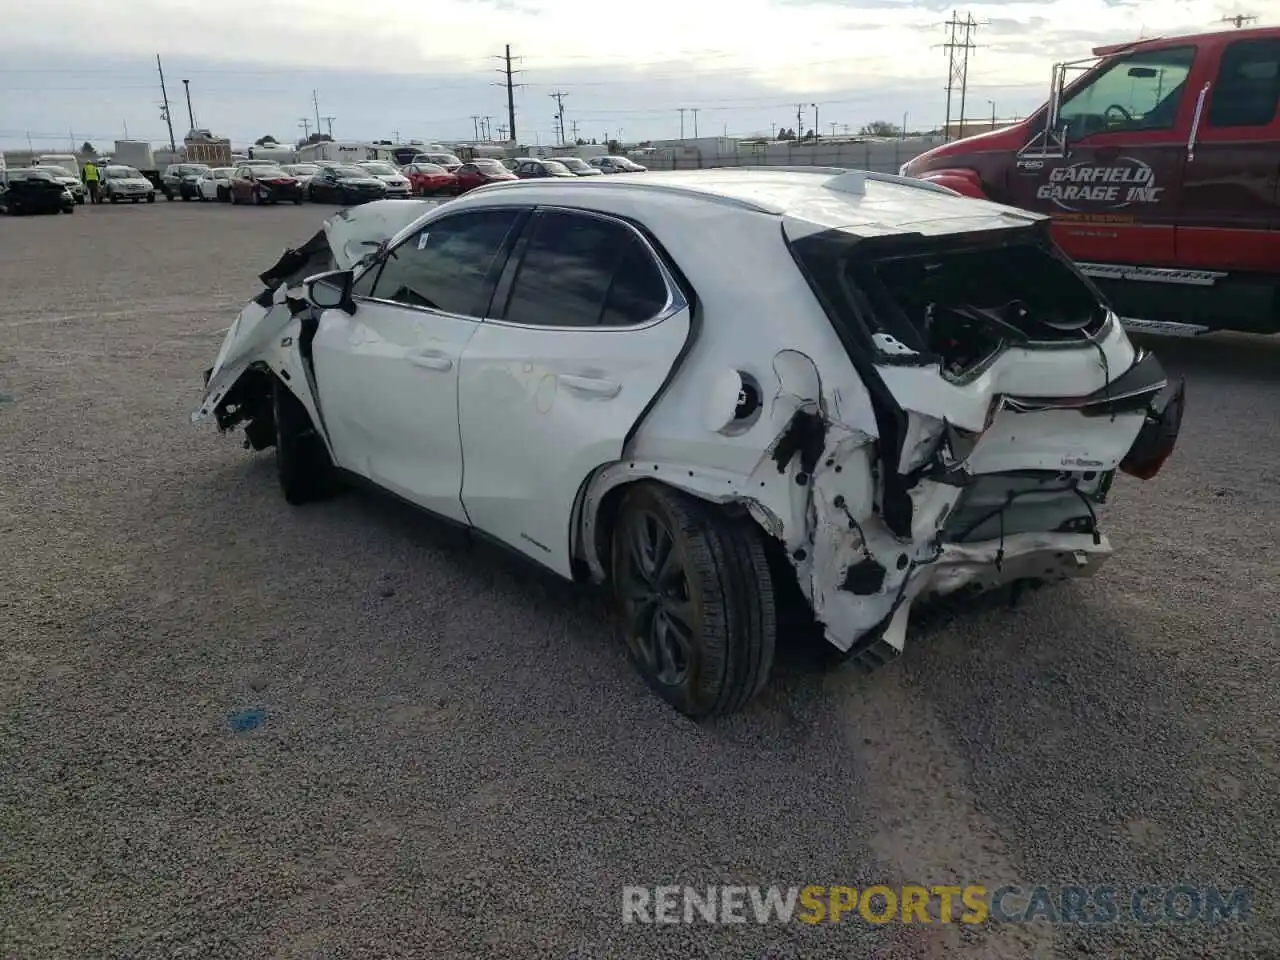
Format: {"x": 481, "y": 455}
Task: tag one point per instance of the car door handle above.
{"x": 590, "y": 385}
{"x": 431, "y": 361}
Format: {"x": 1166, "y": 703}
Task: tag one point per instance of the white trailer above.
{"x": 134, "y": 153}
{"x": 344, "y": 151}
{"x": 273, "y": 151}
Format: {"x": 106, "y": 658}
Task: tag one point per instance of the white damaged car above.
{"x": 718, "y": 391}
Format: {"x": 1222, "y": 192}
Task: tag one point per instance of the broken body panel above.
{"x": 896, "y": 426}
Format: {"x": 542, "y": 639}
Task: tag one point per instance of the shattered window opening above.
{"x": 956, "y": 302}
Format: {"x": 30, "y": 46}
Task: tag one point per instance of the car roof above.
{"x": 811, "y": 199}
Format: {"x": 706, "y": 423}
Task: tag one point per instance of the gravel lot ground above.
{"x": 456, "y": 761}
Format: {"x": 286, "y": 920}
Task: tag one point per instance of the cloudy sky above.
{"x": 85, "y": 69}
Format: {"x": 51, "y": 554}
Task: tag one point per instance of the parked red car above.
{"x": 479, "y": 172}
{"x": 430, "y": 179}
{"x": 255, "y": 184}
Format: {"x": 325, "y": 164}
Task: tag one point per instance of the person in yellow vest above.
{"x": 91, "y": 180}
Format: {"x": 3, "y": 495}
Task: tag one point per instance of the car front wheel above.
{"x": 302, "y": 460}
{"x": 695, "y": 597}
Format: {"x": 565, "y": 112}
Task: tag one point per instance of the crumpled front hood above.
{"x": 356, "y": 232}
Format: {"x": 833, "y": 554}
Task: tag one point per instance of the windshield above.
{"x": 350, "y": 173}
{"x": 430, "y": 168}
{"x": 446, "y": 158}
{"x": 302, "y": 169}
{"x": 194, "y": 169}
{"x": 381, "y": 169}
{"x": 123, "y": 173}
{"x": 573, "y": 163}
{"x": 38, "y": 174}
{"x": 554, "y": 167}
{"x": 223, "y": 173}
{"x": 55, "y": 171}
{"x": 269, "y": 172}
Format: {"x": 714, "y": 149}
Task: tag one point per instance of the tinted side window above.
{"x": 446, "y": 265}
{"x": 638, "y": 292}
{"x": 581, "y": 271}
{"x": 1248, "y": 85}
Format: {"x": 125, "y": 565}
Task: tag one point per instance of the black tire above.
{"x": 302, "y": 461}
{"x": 151, "y": 198}
{"x": 297, "y": 201}
{"x": 716, "y": 601}
{"x": 114, "y": 198}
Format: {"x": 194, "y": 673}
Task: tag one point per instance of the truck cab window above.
{"x": 1138, "y": 92}
{"x": 1247, "y": 88}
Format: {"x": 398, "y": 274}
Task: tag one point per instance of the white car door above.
{"x": 387, "y": 375}
{"x": 584, "y": 331}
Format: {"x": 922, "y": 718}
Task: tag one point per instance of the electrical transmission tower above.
{"x": 1240, "y": 19}
{"x": 959, "y": 43}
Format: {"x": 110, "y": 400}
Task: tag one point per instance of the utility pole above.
{"x": 511, "y": 98}
{"x": 682, "y": 109}
{"x": 329, "y": 122}
{"x": 1240, "y": 19}
{"x": 817, "y": 127}
{"x": 799, "y": 121}
{"x": 558, "y": 97}
{"x": 502, "y": 133}
{"x": 316, "y": 103}
{"x": 165, "y": 112}
{"x": 993, "y": 113}
{"x": 191, "y": 114}
{"x": 834, "y": 127}
{"x": 488, "y": 129}
{"x": 959, "y": 43}
{"x": 305, "y": 124}
{"x": 574, "y": 125}
{"x": 475, "y": 127}
{"x": 694, "y": 111}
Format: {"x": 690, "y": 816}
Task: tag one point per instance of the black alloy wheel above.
{"x": 695, "y": 597}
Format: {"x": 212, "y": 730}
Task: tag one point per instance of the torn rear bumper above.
{"x": 1028, "y": 559}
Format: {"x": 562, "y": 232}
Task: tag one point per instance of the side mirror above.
{"x": 328, "y": 291}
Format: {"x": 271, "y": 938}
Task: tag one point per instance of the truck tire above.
{"x": 302, "y": 461}
{"x": 695, "y": 596}
{"x": 114, "y": 198}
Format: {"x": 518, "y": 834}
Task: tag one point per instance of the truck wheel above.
{"x": 695, "y": 595}
{"x": 114, "y": 198}
{"x": 151, "y": 198}
{"x": 302, "y": 462}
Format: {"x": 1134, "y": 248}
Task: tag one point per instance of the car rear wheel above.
{"x": 302, "y": 462}
{"x": 695, "y": 597}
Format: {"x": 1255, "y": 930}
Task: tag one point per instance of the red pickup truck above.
{"x": 1161, "y": 168}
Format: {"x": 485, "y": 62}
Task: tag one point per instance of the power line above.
{"x": 1240, "y": 19}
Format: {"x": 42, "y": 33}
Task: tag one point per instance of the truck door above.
{"x": 1230, "y": 211}
{"x": 1114, "y": 196}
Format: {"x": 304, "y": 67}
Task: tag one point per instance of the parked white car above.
{"x": 616, "y": 165}
{"x": 120, "y": 183}
{"x": 720, "y": 391}
{"x": 398, "y": 185}
{"x": 215, "y": 184}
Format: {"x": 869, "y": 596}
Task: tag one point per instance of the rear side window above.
{"x": 585, "y": 271}
{"x": 1248, "y": 85}
{"x": 447, "y": 265}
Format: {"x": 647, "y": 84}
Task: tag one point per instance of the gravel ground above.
{"x": 456, "y": 761}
